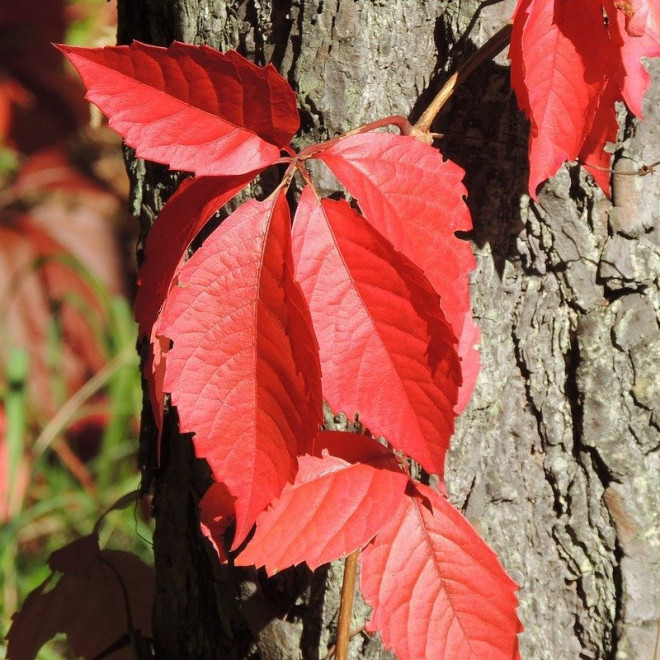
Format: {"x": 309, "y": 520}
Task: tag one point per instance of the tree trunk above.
{"x": 556, "y": 460}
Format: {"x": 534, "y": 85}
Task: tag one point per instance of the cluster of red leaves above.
{"x": 366, "y": 309}
{"x": 570, "y": 62}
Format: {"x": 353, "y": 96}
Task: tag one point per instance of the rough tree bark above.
{"x": 556, "y": 460}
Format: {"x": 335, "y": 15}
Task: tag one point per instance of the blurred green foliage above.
{"x": 59, "y": 474}
{"x": 55, "y": 507}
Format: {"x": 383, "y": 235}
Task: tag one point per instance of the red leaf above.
{"x": 182, "y": 218}
{"x": 52, "y": 170}
{"x": 153, "y": 371}
{"x": 417, "y": 201}
{"x": 243, "y": 370}
{"x": 437, "y": 590}
{"x": 569, "y": 65}
{"x": 90, "y": 610}
{"x": 636, "y": 15}
{"x": 605, "y": 129}
{"x": 562, "y": 81}
{"x": 354, "y": 448}
{"x": 333, "y": 507}
{"x": 386, "y": 349}
{"x": 216, "y": 513}
{"x": 190, "y": 107}
{"x": 630, "y": 74}
{"x": 519, "y": 20}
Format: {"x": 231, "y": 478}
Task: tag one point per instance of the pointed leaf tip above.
{"x": 570, "y": 63}
{"x": 190, "y": 107}
{"x": 333, "y": 507}
{"x": 436, "y": 588}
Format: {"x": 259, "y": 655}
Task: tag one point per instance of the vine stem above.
{"x": 393, "y": 120}
{"x": 643, "y": 170}
{"x": 346, "y": 605}
{"x": 490, "y": 49}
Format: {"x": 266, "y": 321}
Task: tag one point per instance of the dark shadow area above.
{"x": 280, "y": 33}
{"x": 485, "y": 133}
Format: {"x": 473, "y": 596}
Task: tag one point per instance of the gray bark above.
{"x": 556, "y": 460}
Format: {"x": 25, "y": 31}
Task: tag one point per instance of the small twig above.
{"x": 393, "y": 120}
{"x": 124, "y": 501}
{"x": 643, "y": 170}
{"x": 490, "y": 49}
{"x": 346, "y": 605}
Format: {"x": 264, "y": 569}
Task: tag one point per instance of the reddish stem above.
{"x": 346, "y": 605}
{"x": 393, "y": 120}
{"x": 490, "y": 49}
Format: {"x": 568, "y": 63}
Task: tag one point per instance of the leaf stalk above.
{"x": 495, "y": 45}
{"x": 346, "y": 605}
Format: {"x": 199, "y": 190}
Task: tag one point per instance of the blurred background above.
{"x": 69, "y": 381}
